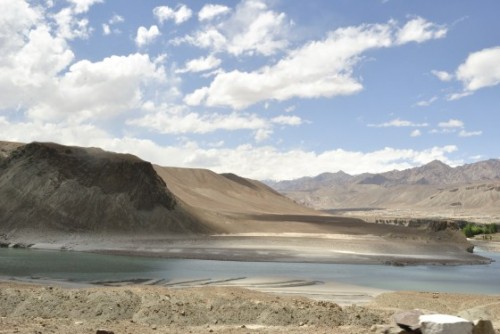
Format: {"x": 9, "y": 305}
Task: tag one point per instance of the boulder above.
{"x": 444, "y": 324}
{"x": 408, "y": 320}
{"x": 483, "y": 327}
{"x": 104, "y": 331}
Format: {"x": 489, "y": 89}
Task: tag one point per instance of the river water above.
{"x": 84, "y": 267}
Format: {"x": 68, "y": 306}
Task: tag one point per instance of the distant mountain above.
{"x": 423, "y": 186}
{"x": 312, "y": 183}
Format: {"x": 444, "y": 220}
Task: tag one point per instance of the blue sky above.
{"x": 268, "y": 89}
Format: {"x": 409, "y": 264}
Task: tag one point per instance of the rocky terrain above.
{"x": 435, "y": 189}
{"x": 143, "y": 309}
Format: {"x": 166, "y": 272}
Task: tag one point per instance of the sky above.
{"x": 267, "y": 89}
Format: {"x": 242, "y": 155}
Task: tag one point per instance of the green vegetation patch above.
{"x": 471, "y": 230}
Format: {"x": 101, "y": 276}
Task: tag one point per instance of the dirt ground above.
{"x": 32, "y": 309}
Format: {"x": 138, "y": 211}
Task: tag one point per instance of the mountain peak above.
{"x": 436, "y": 164}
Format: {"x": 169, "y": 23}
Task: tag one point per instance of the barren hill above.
{"x": 46, "y": 186}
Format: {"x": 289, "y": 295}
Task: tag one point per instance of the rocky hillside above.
{"x": 472, "y": 187}
{"x": 46, "y": 186}
{"x": 49, "y": 187}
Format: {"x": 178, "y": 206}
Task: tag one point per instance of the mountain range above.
{"x": 471, "y": 187}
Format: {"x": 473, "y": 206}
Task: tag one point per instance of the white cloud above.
{"x": 31, "y": 55}
{"x": 168, "y": 119}
{"x": 458, "y": 96}
{"x": 82, "y": 6}
{"x": 464, "y": 133}
{"x": 399, "y": 123}
{"x": 36, "y": 76}
{"x": 106, "y": 27}
{"x": 179, "y": 15}
{"x": 146, "y": 36}
{"x": 191, "y": 122}
{"x": 442, "y": 75}
{"x": 70, "y": 25}
{"x": 252, "y": 28}
{"x": 200, "y": 64}
{"x": 210, "y": 11}
{"x": 258, "y": 162}
{"x": 452, "y": 123}
{"x": 116, "y": 84}
{"x": 453, "y": 126}
{"x": 287, "y": 120}
{"x": 416, "y": 133}
{"x": 480, "y": 70}
{"x": 318, "y": 69}
{"x": 116, "y": 19}
{"x": 426, "y": 103}
{"x": 420, "y": 30}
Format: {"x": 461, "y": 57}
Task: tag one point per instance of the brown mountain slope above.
{"x": 228, "y": 202}
{"x": 46, "y": 186}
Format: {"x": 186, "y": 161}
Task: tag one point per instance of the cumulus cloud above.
{"x": 179, "y": 15}
{"x": 210, "y": 11}
{"x": 200, "y": 64}
{"x": 481, "y": 69}
{"x": 115, "y": 85}
{"x": 399, "y": 123}
{"x": 39, "y": 77}
{"x": 146, "y": 36}
{"x": 251, "y": 29}
{"x": 318, "y": 69}
{"x": 31, "y": 55}
{"x": 420, "y": 30}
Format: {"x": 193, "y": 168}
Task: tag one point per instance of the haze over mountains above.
{"x": 472, "y": 187}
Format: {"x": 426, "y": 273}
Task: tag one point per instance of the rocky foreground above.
{"x": 149, "y": 309}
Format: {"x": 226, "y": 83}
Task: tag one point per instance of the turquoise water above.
{"x": 84, "y": 267}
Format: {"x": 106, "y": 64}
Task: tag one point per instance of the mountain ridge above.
{"x": 435, "y": 185}
{"x": 435, "y": 172}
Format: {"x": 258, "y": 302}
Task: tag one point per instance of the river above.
{"x": 85, "y": 267}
